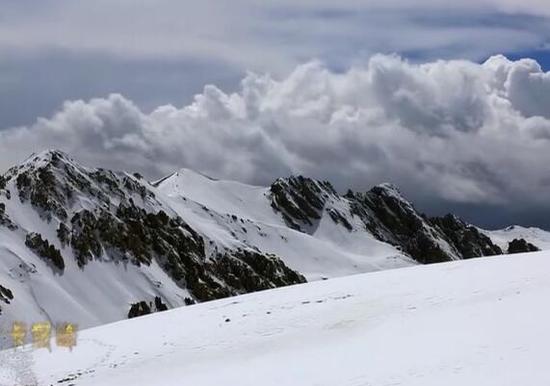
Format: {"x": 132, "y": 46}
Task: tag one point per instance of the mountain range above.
{"x": 92, "y": 246}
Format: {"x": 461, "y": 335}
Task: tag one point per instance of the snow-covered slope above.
{"x": 86, "y": 245}
{"x": 475, "y": 322}
{"x": 100, "y": 292}
{"x": 83, "y": 245}
{"x": 536, "y": 236}
{"x": 235, "y": 214}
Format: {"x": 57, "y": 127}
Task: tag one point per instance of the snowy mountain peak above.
{"x": 58, "y": 187}
{"x": 390, "y": 191}
{"x": 44, "y": 158}
{"x": 50, "y": 154}
{"x": 47, "y": 155}
{"x": 388, "y": 187}
{"x": 63, "y": 225}
{"x": 99, "y": 245}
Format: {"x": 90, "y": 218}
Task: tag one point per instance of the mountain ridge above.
{"x": 88, "y": 244}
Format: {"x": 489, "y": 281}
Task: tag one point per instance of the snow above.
{"x": 100, "y": 293}
{"x": 104, "y": 289}
{"x": 473, "y": 322}
{"x": 469, "y": 322}
{"x": 328, "y": 250}
{"x": 536, "y": 236}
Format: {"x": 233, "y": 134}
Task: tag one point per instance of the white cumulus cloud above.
{"x": 453, "y": 131}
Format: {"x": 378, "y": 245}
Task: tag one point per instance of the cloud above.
{"x": 26, "y": 93}
{"x": 237, "y": 33}
{"x": 164, "y": 51}
{"x": 445, "y": 131}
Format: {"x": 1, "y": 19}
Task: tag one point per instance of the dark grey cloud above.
{"x": 164, "y": 51}
{"x": 37, "y": 85}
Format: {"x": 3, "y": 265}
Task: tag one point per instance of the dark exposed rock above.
{"x": 133, "y": 234}
{"x": 521, "y": 246}
{"x": 52, "y": 183}
{"x": 384, "y": 213}
{"x": 300, "y": 200}
{"x": 247, "y": 271}
{"x": 139, "y": 309}
{"x": 143, "y": 308}
{"x": 159, "y": 305}
{"x": 140, "y": 236}
{"x": 44, "y": 249}
{"x": 388, "y": 216}
{"x": 338, "y": 218}
{"x": 41, "y": 189}
{"x": 466, "y": 238}
{"x": 5, "y": 296}
{"x": 64, "y": 234}
{"x": 393, "y": 219}
{"x": 4, "y": 219}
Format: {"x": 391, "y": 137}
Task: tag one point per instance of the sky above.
{"x": 438, "y": 99}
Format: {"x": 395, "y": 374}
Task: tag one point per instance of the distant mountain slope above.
{"x": 87, "y": 245}
{"x": 237, "y": 215}
{"x": 382, "y": 212}
{"x": 535, "y": 236}
{"x": 481, "y": 322}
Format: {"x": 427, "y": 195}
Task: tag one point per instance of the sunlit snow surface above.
{"x": 536, "y": 236}
{"x": 475, "y": 322}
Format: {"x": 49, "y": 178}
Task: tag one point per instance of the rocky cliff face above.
{"x": 5, "y": 296}
{"x": 521, "y": 246}
{"x": 301, "y": 201}
{"x": 467, "y": 239}
{"x": 384, "y": 213}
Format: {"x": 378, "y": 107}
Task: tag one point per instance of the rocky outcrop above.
{"x": 139, "y": 309}
{"x": 383, "y": 212}
{"x": 521, "y": 246}
{"x": 300, "y": 200}
{"x": 4, "y": 218}
{"x": 6, "y": 296}
{"x": 45, "y": 250}
{"x": 391, "y": 218}
{"x": 469, "y": 241}
{"x": 303, "y": 201}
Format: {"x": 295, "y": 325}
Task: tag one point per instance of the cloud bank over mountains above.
{"x": 444, "y": 131}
